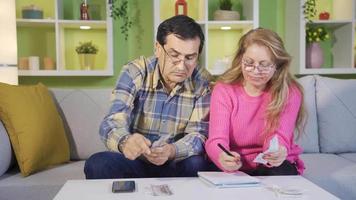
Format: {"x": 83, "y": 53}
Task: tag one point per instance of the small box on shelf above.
{"x": 23, "y": 63}
{"x": 32, "y": 12}
{"x": 48, "y": 63}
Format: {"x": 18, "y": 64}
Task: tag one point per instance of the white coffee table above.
{"x": 190, "y": 189}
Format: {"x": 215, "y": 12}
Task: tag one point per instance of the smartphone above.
{"x": 123, "y": 186}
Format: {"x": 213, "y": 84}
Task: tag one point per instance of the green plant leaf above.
{"x": 225, "y": 4}
{"x": 119, "y": 11}
{"x": 86, "y": 48}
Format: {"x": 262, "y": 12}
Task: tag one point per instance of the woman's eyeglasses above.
{"x": 263, "y": 67}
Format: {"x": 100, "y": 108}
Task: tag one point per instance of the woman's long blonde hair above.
{"x": 281, "y": 81}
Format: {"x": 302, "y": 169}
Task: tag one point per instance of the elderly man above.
{"x": 158, "y": 121}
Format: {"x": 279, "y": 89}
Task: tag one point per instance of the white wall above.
{"x": 8, "y": 42}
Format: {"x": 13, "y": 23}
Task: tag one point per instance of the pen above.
{"x": 226, "y": 151}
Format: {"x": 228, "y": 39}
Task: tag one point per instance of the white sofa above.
{"x": 329, "y": 140}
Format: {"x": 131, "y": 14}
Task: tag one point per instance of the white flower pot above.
{"x": 87, "y": 61}
{"x": 226, "y": 15}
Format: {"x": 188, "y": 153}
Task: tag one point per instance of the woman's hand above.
{"x": 275, "y": 159}
{"x": 230, "y": 163}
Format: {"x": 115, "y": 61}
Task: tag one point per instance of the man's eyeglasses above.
{"x": 263, "y": 67}
{"x": 187, "y": 59}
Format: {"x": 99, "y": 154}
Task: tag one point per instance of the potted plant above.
{"x": 86, "y": 52}
{"x": 314, "y": 53}
{"x": 225, "y": 11}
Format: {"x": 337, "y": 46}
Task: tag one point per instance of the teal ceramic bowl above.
{"x": 32, "y": 14}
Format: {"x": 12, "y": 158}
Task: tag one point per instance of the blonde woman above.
{"x": 255, "y": 100}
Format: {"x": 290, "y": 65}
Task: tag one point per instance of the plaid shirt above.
{"x": 140, "y": 104}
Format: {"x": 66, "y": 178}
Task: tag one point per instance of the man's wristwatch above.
{"x": 122, "y": 142}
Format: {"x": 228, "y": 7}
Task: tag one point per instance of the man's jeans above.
{"x": 106, "y": 165}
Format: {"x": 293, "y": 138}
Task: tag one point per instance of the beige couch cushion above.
{"x": 82, "y": 111}
{"x": 309, "y": 139}
{"x": 336, "y": 107}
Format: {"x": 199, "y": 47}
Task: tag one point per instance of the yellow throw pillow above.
{"x": 34, "y": 126}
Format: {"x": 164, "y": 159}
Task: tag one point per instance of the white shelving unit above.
{"x": 340, "y": 52}
{"x": 220, "y": 45}
{"x": 65, "y": 34}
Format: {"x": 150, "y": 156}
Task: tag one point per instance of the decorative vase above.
{"x": 314, "y": 55}
{"x": 48, "y": 63}
{"x": 87, "y": 61}
{"x": 226, "y": 15}
{"x": 34, "y": 63}
{"x": 23, "y": 63}
{"x": 84, "y": 11}
{"x": 181, "y": 7}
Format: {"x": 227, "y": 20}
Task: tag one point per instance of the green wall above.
{"x": 140, "y": 42}
{"x": 272, "y": 14}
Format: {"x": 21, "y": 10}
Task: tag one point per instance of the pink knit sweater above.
{"x": 237, "y": 122}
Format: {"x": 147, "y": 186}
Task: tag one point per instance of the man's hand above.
{"x": 230, "y": 163}
{"x": 136, "y": 145}
{"x": 275, "y": 159}
{"x": 160, "y": 155}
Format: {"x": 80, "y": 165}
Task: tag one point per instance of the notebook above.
{"x": 224, "y": 180}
